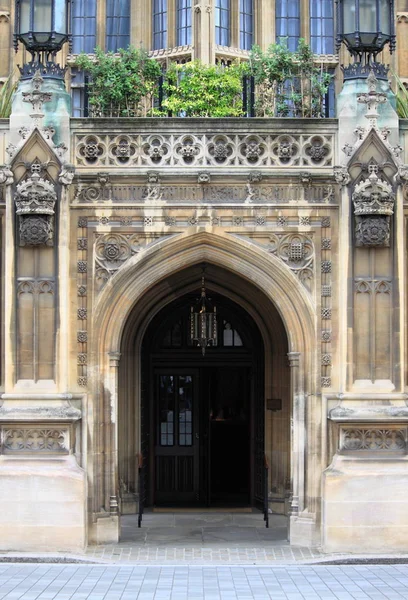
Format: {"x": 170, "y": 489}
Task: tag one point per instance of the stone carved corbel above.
{"x": 6, "y": 175}
{"x": 35, "y": 201}
{"x": 373, "y": 200}
{"x": 341, "y": 175}
{"x": 67, "y": 174}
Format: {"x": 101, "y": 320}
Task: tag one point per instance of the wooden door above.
{"x": 176, "y": 446}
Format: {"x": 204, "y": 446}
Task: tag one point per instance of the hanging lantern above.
{"x": 203, "y": 322}
{"x": 365, "y": 27}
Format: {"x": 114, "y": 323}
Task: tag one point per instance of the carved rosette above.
{"x": 373, "y": 200}
{"x": 35, "y": 200}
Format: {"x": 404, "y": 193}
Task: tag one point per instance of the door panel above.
{"x": 176, "y": 437}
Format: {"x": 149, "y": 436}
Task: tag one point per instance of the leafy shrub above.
{"x": 197, "y": 90}
{"x": 6, "y": 97}
{"x": 122, "y": 84}
{"x": 288, "y": 83}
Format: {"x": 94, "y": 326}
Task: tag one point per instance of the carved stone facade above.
{"x": 300, "y": 228}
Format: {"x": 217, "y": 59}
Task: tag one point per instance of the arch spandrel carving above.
{"x": 240, "y": 256}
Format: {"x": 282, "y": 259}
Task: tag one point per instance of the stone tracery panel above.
{"x": 260, "y": 149}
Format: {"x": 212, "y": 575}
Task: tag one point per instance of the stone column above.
{"x": 297, "y": 435}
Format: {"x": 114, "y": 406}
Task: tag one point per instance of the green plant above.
{"x": 122, "y": 84}
{"x": 6, "y": 97}
{"x": 288, "y": 83}
{"x": 197, "y": 90}
{"x": 402, "y": 98}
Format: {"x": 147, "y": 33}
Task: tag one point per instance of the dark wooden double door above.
{"x": 202, "y": 436}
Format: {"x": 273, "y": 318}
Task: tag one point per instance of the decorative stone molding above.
{"x": 326, "y": 291}
{"x": 39, "y": 413}
{"x": 402, "y": 17}
{"x": 369, "y": 413}
{"x": 373, "y": 200}
{"x": 29, "y": 440}
{"x": 373, "y": 439}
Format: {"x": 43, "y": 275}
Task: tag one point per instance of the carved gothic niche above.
{"x": 35, "y": 200}
{"x": 373, "y": 200}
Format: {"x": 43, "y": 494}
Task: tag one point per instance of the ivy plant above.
{"x": 288, "y": 83}
{"x": 122, "y": 84}
{"x": 197, "y": 90}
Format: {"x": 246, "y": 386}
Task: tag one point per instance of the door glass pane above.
{"x": 185, "y": 402}
{"x": 166, "y": 410}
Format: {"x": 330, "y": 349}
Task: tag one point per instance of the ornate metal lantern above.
{"x": 203, "y": 322}
{"x": 43, "y": 26}
{"x": 365, "y": 27}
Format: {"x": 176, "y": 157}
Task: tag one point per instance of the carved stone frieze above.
{"x": 357, "y": 439}
{"x": 216, "y": 149}
{"x": 32, "y": 440}
{"x": 373, "y": 231}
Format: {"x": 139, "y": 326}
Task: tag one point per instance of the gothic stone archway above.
{"x": 141, "y": 289}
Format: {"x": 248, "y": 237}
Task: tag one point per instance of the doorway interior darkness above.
{"x": 203, "y": 416}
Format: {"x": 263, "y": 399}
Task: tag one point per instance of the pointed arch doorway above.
{"x": 203, "y": 440}
{"x": 201, "y": 423}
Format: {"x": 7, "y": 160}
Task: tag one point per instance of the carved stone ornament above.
{"x": 373, "y": 231}
{"x": 297, "y": 252}
{"x": 36, "y": 230}
{"x": 67, "y": 174}
{"x": 372, "y": 99}
{"x": 372, "y": 439}
{"x": 36, "y": 97}
{"x": 40, "y": 440}
{"x": 35, "y": 195}
{"x": 6, "y": 175}
{"x": 341, "y": 175}
{"x": 373, "y": 200}
{"x": 35, "y": 201}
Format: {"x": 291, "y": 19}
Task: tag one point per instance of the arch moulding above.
{"x": 151, "y": 267}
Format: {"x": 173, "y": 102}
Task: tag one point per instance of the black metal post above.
{"x": 244, "y": 95}
{"x": 252, "y": 96}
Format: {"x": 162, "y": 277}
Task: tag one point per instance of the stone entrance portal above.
{"x": 201, "y": 422}
{"x": 203, "y": 416}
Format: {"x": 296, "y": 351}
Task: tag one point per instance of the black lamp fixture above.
{"x": 43, "y": 26}
{"x": 203, "y": 321}
{"x": 365, "y": 27}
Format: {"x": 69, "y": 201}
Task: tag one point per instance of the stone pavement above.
{"x": 108, "y": 582}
